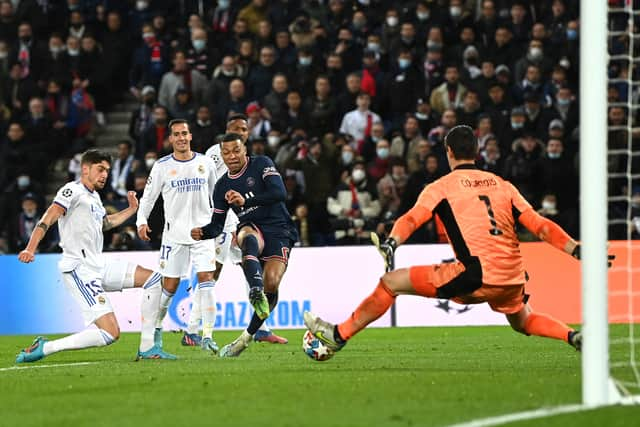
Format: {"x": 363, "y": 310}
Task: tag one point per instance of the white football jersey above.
{"x": 186, "y": 187}
{"x": 80, "y": 227}
{"x": 214, "y": 152}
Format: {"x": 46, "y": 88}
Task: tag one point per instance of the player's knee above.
{"x": 391, "y": 282}
{"x": 271, "y": 280}
{"x": 114, "y": 332}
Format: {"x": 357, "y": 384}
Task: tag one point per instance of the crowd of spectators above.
{"x": 350, "y": 98}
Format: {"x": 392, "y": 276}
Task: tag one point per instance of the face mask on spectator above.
{"x": 149, "y": 162}
{"x": 535, "y": 53}
{"x": 421, "y": 116}
{"x": 73, "y": 52}
{"x": 4, "y": 54}
{"x": 516, "y": 125}
{"x": 273, "y": 141}
{"x": 404, "y": 63}
{"x": 304, "y": 61}
{"x": 563, "y": 102}
{"x": 490, "y": 158}
{"x": 147, "y": 37}
{"x": 347, "y": 157}
{"x": 375, "y": 47}
{"x": 228, "y": 73}
{"x": 548, "y": 205}
{"x": 554, "y": 155}
{"x": 383, "y": 153}
{"x": 30, "y": 213}
{"x": 422, "y": 16}
{"x": 358, "y": 175}
{"x": 359, "y": 24}
{"x": 23, "y": 181}
{"x": 433, "y": 44}
{"x": 572, "y": 34}
{"x": 199, "y": 44}
{"x": 223, "y": 4}
{"x": 455, "y": 11}
{"x": 392, "y": 21}
{"x": 203, "y": 122}
{"x": 55, "y": 49}
{"x": 141, "y": 5}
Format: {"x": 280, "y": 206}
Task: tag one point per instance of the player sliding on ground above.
{"x": 479, "y": 211}
{"x": 254, "y": 190}
{"x": 81, "y": 220}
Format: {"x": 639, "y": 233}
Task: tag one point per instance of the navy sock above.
{"x": 256, "y": 322}
{"x": 250, "y": 262}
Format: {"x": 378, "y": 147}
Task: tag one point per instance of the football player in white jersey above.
{"x": 185, "y": 179}
{"x": 81, "y": 220}
{"x": 227, "y": 252}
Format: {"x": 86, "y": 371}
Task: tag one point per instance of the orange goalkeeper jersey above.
{"x": 479, "y": 211}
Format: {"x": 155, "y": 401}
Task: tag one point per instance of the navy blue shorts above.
{"x": 277, "y": 243}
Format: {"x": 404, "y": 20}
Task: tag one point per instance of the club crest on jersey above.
{"x": 162, "y": 264}
{"x": 201, "y": 169}
{"x": 250, "y": 181}
{"x": 101, "y": 300}
{"x": 67, "y": 192}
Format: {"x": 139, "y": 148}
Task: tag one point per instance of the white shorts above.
{"x": 176, "y": 258}
{"x": 87, "y": 286}
{"x": 227, "y": 251}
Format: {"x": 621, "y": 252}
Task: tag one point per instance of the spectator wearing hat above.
{"x": 253, "y": 13}
{"x": 450, "y": 93}
{"x": 142, "y": 117}
{"x": 427, "y": 119}
{"x": 535, "y": 122}
{"x": 514, "y": 129}
{"x": 259, "y": 126}
{"x": 359, "y": 122}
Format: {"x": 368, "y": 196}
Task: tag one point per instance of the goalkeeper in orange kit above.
{"x": 478, "y": 210}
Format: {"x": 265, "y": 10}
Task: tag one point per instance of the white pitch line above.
{"x": 16, "y": 368}
{"x": 521, "y": 416}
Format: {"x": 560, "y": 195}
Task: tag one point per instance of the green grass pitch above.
{"x": 384, "y": 377}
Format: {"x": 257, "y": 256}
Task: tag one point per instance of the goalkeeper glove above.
{"x": 576, "y": 255}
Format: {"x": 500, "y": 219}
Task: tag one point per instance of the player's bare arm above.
{"x": 48, "y": 219}
{"x": 114, "y": 220}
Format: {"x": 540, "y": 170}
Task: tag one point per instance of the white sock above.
{"x": 165, "y": 302}
{"x": 246, "y": 337}
{"x": 208, "y": 307}
{"x": 264, "y": 326}
{"x": 196, "y": 314}
{"x": 85, "y": 339}
{"x": 150, "y": 307}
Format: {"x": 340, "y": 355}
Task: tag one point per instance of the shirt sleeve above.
{"x": 65, "y": 197}
{"x": 152, "y": 190}
{"x": 420, "y": 213}
{"x": 274, "y": 186}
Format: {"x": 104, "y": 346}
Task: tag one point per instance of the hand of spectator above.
{"x": 135, "y": 92}
{"x": 26, "y": 256}
{"x": 266, "y": 114}
{"x": 143, "y": 232}
{"x": 196, "y": 233}
{"x": 59, "y": 124}
{"x": 133, "y": 200}
{"x": 234, "y": 198}
{"x": 340, "y": 48}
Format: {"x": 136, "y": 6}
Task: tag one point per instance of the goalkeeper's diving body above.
{"x": 479, "y": 211}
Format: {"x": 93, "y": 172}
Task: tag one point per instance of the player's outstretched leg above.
{"x": 529, "y": 322}
{"x": 324, "y": 331}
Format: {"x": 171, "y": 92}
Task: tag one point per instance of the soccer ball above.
{"x": 315, "y": 349}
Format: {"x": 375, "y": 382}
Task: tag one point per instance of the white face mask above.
{"x": 455, "y": 11}
{"x": 141, "y": 5}
{"x": 198, "y": 44}
{"x": 358, "y": 175}
{"x": 422, "y": 16}
{"x": 73, "y": 52}
{"x": 203, "y": 122}
{"x": 228, "y": 73}
{"x": 554, "y": 155}
{"x": 23, "y": 181}
{"x": 347, "y": 157}
{"x": 549, "y": 206}
{"x": 535, "y": 53}
{"x": 223, "y": 4}
{"x": 149, "y": 162}
{"x": 273, "y": 140}
{"x": 392, "y": 21}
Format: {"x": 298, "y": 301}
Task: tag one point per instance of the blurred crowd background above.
{"x": 351, "y": 99}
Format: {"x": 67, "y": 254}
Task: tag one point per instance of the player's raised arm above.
{"x": 275, "y": 191}
{"x": 49, "y": 218}
{"x": 414, "y": 217}
{"x": 151, "y": 192}
{"x": 114, "y": 220}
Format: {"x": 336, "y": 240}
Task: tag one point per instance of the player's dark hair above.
{"x": 462, "y": 142}
{"x": 178, "y": 122}
{"x": 231, "y": 136}
{"x": 237, "y": 116}
{"x": 93, "y": 156}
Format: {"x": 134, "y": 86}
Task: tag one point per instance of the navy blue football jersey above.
{"x": 261, "y": 185}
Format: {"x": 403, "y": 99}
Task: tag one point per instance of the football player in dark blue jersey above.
{"x": 254, "y": 189}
